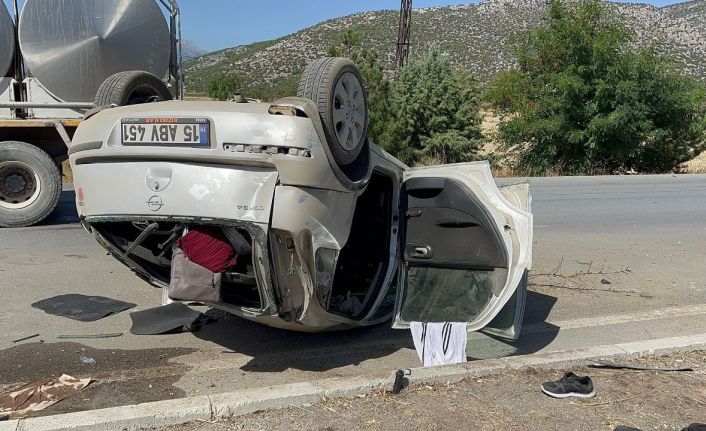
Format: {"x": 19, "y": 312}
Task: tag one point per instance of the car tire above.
{"x": 30, "y": 184}
{"x": 131, "y": 88}
{"x": 336, "y": 87}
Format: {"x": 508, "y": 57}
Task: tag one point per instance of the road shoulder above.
{"x": 207, "y": 408}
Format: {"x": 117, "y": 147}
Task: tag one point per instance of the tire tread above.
{"x": 316, "y": 84}
{"x": 112, "y": 90}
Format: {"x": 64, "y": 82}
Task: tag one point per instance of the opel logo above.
{"x": 155, "y": 203}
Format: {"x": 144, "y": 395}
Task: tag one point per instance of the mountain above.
{"x": 190, "y": 51}
{"x": 477, "y": 36}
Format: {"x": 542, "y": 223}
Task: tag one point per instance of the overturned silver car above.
{"x": 341, "y": 233}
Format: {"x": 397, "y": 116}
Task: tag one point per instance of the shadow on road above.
{"x": 275, "y": 350}
{"x": 65, "y": 212}
{"x": 536, "y": 334}
{"x": 539, "y": 333}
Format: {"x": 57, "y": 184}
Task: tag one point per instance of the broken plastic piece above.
{"x": 612, "y": 366}
{"x": 25, "y": 338}
{"x": 170, "y": 318}
{"x": 89, "y": 336}
{"x": 81, "y": 307}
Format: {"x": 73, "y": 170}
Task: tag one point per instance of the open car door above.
{"x": 466, "y": 249}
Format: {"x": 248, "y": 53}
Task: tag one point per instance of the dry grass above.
{"x": 511, "y": 400}
{"x": 696, "y": 165}
{"x": 67, "y": 173}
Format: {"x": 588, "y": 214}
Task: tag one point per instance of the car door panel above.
{"x": 508, "y": 323}
{"x": 466, "y": 248}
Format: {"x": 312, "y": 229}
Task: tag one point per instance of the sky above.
{"x": 217, "y": 24}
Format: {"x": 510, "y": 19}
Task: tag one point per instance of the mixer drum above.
{"x": 7, "y": 41}
{"x": 72, "y": 46}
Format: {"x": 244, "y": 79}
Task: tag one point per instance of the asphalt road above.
{"x": 615, "y": 259}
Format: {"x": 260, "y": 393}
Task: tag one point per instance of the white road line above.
{"x": 618, "y": 319}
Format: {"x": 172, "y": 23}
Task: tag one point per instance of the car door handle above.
{"x": 455, "y": 223}
{"x": 421, "y": 252}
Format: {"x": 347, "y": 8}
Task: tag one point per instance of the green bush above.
{"x": 281, "y": 87}
{"x": 583, "y": 100}
{"x": 224, "y": 87}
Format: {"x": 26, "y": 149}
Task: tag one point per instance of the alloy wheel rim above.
{"x": 348, "y": 111}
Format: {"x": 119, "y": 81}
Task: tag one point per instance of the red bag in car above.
{"x": 208, "y": 247}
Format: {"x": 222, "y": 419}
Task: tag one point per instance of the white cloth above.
{"x": 440, "y": 343}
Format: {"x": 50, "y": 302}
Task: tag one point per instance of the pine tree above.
{"x": 438, "y": 112}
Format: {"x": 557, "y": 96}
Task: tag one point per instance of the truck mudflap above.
{"x": 169, "y": 190}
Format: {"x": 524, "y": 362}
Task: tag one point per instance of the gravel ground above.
{"x": 511, "y": 401}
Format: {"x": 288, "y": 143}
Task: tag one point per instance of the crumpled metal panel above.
{"x": 7, "y": 40}
{"x": 72, "y": 46}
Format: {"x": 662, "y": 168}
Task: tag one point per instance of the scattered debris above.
{"x": 81, "y": 307}
{"x": 25, "y": 338}
{"x": 89, "y": 336}
{"x": 87, "y": 360}
{"x": 612, "y": 366}
{"x": 33, "y": 397}
{"x": 584, "y": 280}
{"x": 401, "y": 381}
{"x": 170, "y": 318}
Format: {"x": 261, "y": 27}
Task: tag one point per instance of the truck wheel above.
{"x": 336, "y": 86}
{"x": 131, "y": 88}
{"x": 30, "y": 184}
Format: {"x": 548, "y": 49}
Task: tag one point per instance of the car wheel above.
{"x": 336, "y": 87}
{"x": 131, "y": 88}
{"x": 30, "y": 184}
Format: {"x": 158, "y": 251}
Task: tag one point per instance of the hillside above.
{"x": 189, "y": 50}
{"x": 477, "y": 36}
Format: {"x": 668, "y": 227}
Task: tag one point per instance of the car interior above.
{"x": 363, "y": 261}
{"x": 150, "y": 246}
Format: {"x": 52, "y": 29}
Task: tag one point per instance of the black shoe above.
{"x": 570, "y": 385}
{"x": 695, "y": 427}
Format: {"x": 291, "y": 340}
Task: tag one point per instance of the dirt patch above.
{"x": 120, "y": 377}
{"x": 647, "y": 400}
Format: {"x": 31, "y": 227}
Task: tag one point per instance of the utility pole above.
{"x": 405, "y": 32}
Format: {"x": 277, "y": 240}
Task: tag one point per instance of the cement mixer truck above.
{"x": 60, "y": 62}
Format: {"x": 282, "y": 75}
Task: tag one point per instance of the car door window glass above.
{"x": 447, "y": 295}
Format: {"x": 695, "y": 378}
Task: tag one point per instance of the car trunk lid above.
{"x": 175, "y": 190}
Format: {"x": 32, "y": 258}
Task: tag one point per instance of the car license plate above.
{"x": 178, "y": 132}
